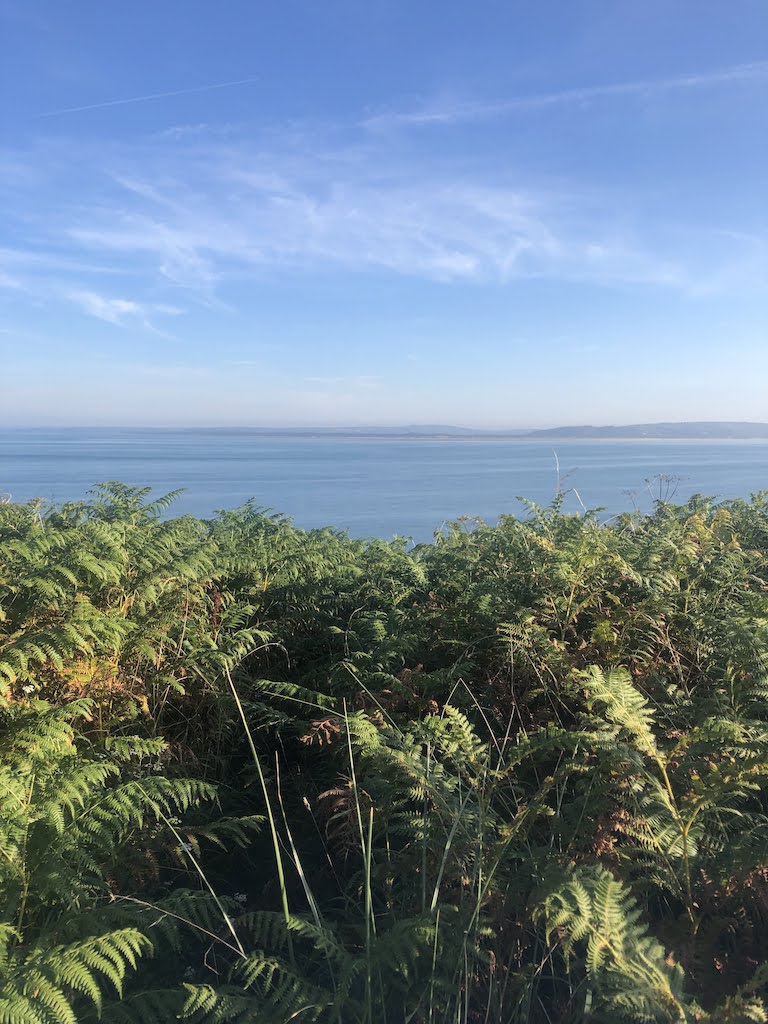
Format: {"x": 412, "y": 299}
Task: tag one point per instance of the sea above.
{"x": 376, "y": 486}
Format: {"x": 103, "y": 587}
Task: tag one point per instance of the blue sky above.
{"x": 499, "y": 214}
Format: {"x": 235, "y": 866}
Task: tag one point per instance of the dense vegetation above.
{"x": 250, "y": 773}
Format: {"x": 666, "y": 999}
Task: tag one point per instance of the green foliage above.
{"x": 622, "y": 971}
{"x": 43, "y": 986}
{"x": 516, "y": 775}
{"x": 80, "y": 825}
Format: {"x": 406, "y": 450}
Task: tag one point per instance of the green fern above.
{"x": 626, "y": 975}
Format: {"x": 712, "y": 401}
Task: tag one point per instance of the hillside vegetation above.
{"x": 250, "y": 773}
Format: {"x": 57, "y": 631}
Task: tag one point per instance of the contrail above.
{"x": 476, "y": 111}
{"x": 151, "y": 96}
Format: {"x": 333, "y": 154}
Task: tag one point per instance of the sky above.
{"x": 496, "y": 214}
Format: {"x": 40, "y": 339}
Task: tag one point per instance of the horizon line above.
{"x": 434, "y": 428}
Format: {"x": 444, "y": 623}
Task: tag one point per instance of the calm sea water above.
{"x": 372, "y": 487}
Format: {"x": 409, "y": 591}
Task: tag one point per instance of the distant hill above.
{"x": 689, "y": 431}
{"x": 681, "y": 431}
{"x": 704, "y": 430}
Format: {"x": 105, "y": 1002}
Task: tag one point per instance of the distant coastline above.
{"x": 695, "y": 431}
{"x": 666, "y": 431}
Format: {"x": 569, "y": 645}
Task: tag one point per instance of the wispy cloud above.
{"x": 118, "y": 311}
{"x": 198, "y": 233}
{"x": 9, "y": 282}
{"x": 43, "y": 257}
{"x": 354, "y": 381}
{"x": 456, "y": 112}
{"x": 439, "y": 230}
{"x": 188, "y": 217}
{"x": 113, "y": 311}
{"x": 177, "y": 372}
{"x": 201, "y": 128}
{"x": 148, "y": 97}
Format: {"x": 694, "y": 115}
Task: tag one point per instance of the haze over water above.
{"x": 373, "y": 486}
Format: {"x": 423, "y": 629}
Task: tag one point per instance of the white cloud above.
{"x": 353, "y": 381}
{"x": 181, "y": 131}
{"x": 9, "y": 282}
{"x": 29, "y": 264}
{"x": 234, "y": 222}
{"x": 118, "y": 311}
{"x": 177, "y": 251}
{"x": 188, "y": 215}
{"x": 175, "y": 372}
{"x": 114, "y": 311}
